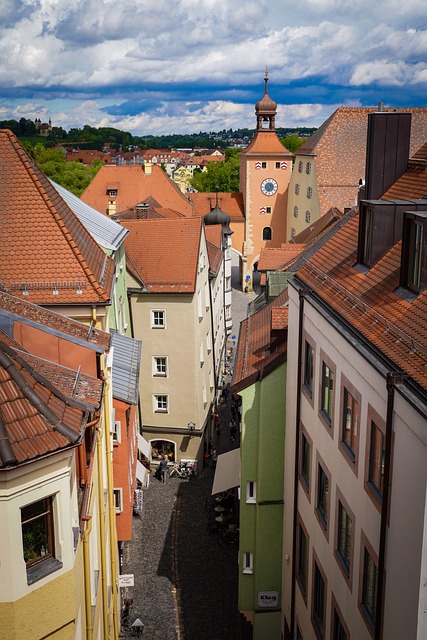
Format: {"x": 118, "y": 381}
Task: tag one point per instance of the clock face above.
{"x": 269, "y": 187}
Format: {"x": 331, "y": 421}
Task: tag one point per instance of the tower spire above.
{"x": 266, "y": 109}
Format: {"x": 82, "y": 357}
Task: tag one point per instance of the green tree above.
{"x": 74, "y": 176}
{"x": 221, "y": 176}
{"x": 292, "y": 142}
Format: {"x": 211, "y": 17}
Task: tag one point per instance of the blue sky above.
{"x": 183, "y": 66}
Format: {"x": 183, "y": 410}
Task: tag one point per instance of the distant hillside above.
{"x": 97, "y": 138}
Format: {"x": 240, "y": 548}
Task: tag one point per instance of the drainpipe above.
{"x": 101, "y": 518}
{"x": 302, "y": 294}
{"x": 392, "y": 379}
{"x": 86, "y": 565}
{"x": 111, "y": 506}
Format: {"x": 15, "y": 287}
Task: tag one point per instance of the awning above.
{"x": 144, "y": 446}
{"x": 141, "y": 473}
{"x": 227, "y": 472}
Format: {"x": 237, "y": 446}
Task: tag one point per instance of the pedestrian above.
{"x": 218, "y": 430}
{"x": 214, "y": 458}
{"x": 163, "y": 466}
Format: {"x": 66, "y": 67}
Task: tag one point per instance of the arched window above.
{"x": 300, "y": 166}
{"x": 309, "y": 192}
{"x": 308, "y": 167}
{"x": 295, "y": 212}
{"x": 297, "y": 189}
{"x": 307, "y": 216}
{"x": 161, "y": 448}
{"x": 266, "y": 233}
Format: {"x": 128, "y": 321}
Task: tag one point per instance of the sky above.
{"x": 154, "y": 67}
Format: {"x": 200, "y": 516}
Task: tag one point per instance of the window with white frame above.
{"x": 208, "y": 342}
{"x": 38, "y": 539}
{"x": 202, "y": 354}
{"x": 251, "y": 492}
{"x": 116, "y": 431}
{"x": 160, "y": 366}
{"x": 248, "y": 563}
{"x": 118, "y": 500}
{"x": 158, "y": 319}
{"x": 161, "y": 404}
{"x": 199, "y": 305}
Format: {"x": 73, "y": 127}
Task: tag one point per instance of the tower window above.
{"x": 267, "y": 233}
{"x": 307, "y": 216}
{"x": 309, "y": 192}
{"x": 295, "y": 212}
{"x": 300, "y": 166}
{"x": 297, "y": 189}
{"x": 308, "y": 168}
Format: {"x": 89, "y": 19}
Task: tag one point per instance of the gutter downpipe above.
{"x": 101, "y": 507}
{"x": 392, "y": 378}
{"x": 86, "y": 564}
{"x": 111, "y": 506}
{"x": 302, "y": 294}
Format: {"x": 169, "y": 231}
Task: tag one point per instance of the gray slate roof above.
{"x": 105, "y": 231}
{"x": 126, "y": 367}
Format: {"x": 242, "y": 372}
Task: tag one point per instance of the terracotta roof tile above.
{"x": 51, "y": 321}
{"x": 257, "y": 349}
{"x": 394, "y": 325}
{"x": 266, "y": 143}
{"x": 45, "y": 248}
{"x": 274, "y": 258}
{"x": 35, "y": 419}
{"x": 133, "y": 185}
{"x": 164, "y": 253}
{"x": 413, "y": 184}
{"x": 231, "y": 203}
{"x": 339, "y": 146}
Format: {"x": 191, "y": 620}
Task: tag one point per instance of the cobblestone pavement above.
{"x": 185, "y": 582}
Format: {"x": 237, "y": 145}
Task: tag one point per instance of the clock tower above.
{"x": 265, "y": 172}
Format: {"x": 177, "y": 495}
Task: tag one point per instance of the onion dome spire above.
{"x": 217, "y": 216}
{"x": 266, "y": 109}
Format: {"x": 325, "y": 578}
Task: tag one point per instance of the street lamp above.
{"x": 191, "y": 426}
{"x": 137, "y": 628}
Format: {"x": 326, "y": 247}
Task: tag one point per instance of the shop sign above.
{"x": 268, "y": 599}
{"x": 126, "y": 580}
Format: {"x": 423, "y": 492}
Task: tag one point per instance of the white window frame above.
{"x": 156, "y": 370}
{"x": 248, "y": 563}
{"x": 156, "y": 403}
{"x": 208, "y": 342}
{"x": 202, "y": 354}
{"x": 251, "y": 492}
{"x": 116, "y": 431}
{"x": 155, "y": 325}
{"x": 118, "y": 492}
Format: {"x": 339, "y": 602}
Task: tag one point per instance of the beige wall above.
{"x": 297, "y": 220}
{"x": 408, "y": 496}
{"x": 189, "y": 383}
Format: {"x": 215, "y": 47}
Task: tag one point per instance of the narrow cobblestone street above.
{"x": 185, "y": 582}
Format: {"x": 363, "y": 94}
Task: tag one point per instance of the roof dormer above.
{"x": 413, "y": 271}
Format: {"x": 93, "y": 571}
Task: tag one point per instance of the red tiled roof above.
{"x": 133, "y": 186}
{"x": 366, "y": 301}
{"x": 37, "y": 419}
{"x": 54, "y": 321}
{"x": 279, "y": 318}
{"x": 413, "y": 184}
{"x": 315, "y": 229}
{"x": 266, "y": 143}
{"x": 213, "y": 233}
{"x": 164, "y": 253}
{"x": 257, "y": 350}
{"x": 45, "y": 247}
{"x": 272, "y": 259}
{"x": 71, "y": 383}
{"x": 339, "y": 145}
{"x": 231, "y": 203}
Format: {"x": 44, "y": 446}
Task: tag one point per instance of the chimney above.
{"x": 142, "y": 211}
{"x": 148, "y": 168}
{"x": 387, "y": 150}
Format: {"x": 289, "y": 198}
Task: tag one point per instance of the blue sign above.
{"x": 248, "y": 278}
{"x": 233, "y": 337}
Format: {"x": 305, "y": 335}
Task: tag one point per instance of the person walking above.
{"x": 163, "y": 466}
{"x": 233, "y": 429}
{"x": 214, "y": 458}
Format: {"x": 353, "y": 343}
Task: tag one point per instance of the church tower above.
{"x": 265, "y": 172}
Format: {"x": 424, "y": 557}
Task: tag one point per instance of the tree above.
{"x": 73, "y": 176}
{"x": 219, "y": 176}
{"x": 292, "y": 142}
